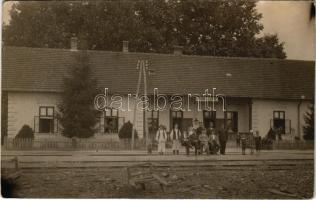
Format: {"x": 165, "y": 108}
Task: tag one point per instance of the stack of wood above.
{"x": 147, "y": 175}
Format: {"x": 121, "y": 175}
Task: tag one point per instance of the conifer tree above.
{"x": 78, "y": 116}
{"x": 309, "y": 124}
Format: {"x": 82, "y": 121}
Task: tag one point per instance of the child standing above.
{"x": 175, "y": 136}
{"x": 161, "y": 138}
{"x": 243, "y": 143}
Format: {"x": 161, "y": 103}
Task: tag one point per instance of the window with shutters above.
{"x": 111, "y": 121}
{"x": 46, "y": 120}
{"x": 279, "y": 120}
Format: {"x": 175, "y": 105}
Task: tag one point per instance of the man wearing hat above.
{"x": 198, "y": 132}
{"x": 161, "y": 137}
{"x": 223, "y": 137}
{"x": 175, "y": 136}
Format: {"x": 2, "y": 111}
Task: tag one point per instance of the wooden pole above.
{"x": 145, "y": 94}
{"x": 139, "y": 67}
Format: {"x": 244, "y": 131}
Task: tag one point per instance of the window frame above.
{"x": 209, "y": 116}
{"x": 278, "y": 112}
{"x": 111, "y": 115}
{"x": 233, "y": 115}
{"x": 111, "y": 112}
{"x": 46, "y": 116}
{"x": 178, "y": 116}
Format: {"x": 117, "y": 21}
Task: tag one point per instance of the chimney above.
{"x": 177, "y": 50}
{"x": 125, "y": 46}
{"x": 73, "y": 44}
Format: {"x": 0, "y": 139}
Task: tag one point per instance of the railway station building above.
{"x": 259, "y": 93}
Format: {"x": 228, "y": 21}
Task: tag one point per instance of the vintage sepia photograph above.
{"x": 158, "y": 99}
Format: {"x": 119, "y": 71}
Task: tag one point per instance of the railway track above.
{"x": 267, "y": 164}
{"x": 191, "y": 174}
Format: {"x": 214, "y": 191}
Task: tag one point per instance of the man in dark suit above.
{"x": 198, "y": 132}
{"x": 223, "y": 137}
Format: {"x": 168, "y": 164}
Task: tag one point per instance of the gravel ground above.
{"x": 245, "y": 182}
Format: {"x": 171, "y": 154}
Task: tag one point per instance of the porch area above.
{"x": 122, "y": 145}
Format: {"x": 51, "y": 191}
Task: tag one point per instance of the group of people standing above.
{"x": 162, "y": 137}
{"x": 198, "y": 137}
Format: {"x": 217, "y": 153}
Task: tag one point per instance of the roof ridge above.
{"x": 43, "y": 69}
{"x": 165, "y": 54}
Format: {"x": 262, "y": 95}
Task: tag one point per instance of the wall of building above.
{"x": 239, "y": 106}
{"x": 4, "y": 115}
{"x": 242, "y": 107}
{"x": 23, "y": 107}
{"x": 262, "y": 113}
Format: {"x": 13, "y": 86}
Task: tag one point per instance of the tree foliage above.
{"x": 77, "y": 114}
{"x": 126, "y": 131}
{"x": 25, "y": 132}
{"x": 309, "y": 124}
{"x": 218, "y": 28}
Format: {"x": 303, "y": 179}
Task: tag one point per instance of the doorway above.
{"x": 209, "y": 117}
{"x": 186, "y": 123}
{"x": 176, "y": 117}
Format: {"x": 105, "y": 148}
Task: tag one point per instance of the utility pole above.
{"x": 145, "y": 68}
{"x": 227, "y": 75}
{"x": 142, "y": 67}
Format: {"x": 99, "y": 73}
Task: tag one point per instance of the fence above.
{"x": 286, "y": 144}
{"x": 116, "y": 145}
{"x": 72, "y": 144}
{"x": 292, "y": 144}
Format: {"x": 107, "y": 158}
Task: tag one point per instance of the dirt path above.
{"x": 246, "y": 182}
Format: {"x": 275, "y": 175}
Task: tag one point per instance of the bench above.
{"x": 147, "y": 175}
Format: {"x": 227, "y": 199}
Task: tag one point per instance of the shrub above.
{"x": 25, "y": 132}
{"x": 309, "y": 124}
{"x": 271, "y": 134}
{"x": 267, "y": 143}
{"x": 126, "y": 131}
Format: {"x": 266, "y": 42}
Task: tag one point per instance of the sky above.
{"x": 288, "y": 19}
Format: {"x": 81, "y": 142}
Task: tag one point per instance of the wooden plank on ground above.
{"x": 13, "y": 176}
{"x": 274, "y": 191}
{"x": 160, "y": 180}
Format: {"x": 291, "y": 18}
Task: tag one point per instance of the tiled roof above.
{"x": 42, "y": 69}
